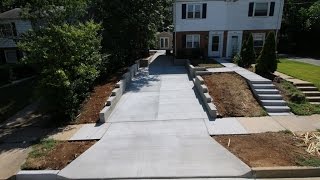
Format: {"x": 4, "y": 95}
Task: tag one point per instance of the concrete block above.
{"x": 204, "y": 88}
{"x": 202, "y": 73}
{"x": 200, "y": 79}
{"x": 37, "y": 175}
{"x": 212, "y": 110}
{"x": 110, "y": 100}
{"x": 116, "y": 92}
{"x": 208, "y": 98}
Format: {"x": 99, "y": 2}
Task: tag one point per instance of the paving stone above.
{"x": 260, "y": 124}
{"x": 283, "y": 76}
{"x": 225, "y": 126}
{"x": 295, "y": 123}
{"x": 90, "y": 132}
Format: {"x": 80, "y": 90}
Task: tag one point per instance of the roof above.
{"x": 11, "y": 14}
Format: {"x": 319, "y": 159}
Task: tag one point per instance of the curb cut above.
{"x": 285, "y": 172}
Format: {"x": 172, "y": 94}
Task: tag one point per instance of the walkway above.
{"x": 157, "y": 131}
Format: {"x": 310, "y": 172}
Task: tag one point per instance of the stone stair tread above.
{"x": 273, "y": 100}
{"x": 315, "y": 103}
{"x": 313, "y": 97}
{"x": 263, "y": 86}
{"x": 276, "y": 107}
{"x": 280, "y": 114}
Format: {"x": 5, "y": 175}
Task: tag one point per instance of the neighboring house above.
{"x": 165, "y": 40}
{"x": 217, "y": 28}
{"x": 11, "y": 28}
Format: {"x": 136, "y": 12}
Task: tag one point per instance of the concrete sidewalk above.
{"x": 157, "y": 130}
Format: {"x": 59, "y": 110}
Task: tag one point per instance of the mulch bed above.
{"x": 266, "y": 149}
{"x": 59, "y": 157}
{"x": 91, "y": 108}
{"x": 232, "y": 95}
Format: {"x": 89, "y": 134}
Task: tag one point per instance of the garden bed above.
{"x": 269, "y": 149}
{"x": 207, "y": 63}
{"x": 91, "y": 108}
{"x": 54, "y": 155}
{"x": 295, "y": 98}
{"x": 232, "y": 95}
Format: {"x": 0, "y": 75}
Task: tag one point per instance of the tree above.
{"x": 247, "y": 54}
{"x": 68, "y": 57}
{"x": 267, "y": 61}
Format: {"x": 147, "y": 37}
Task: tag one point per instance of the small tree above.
{"x": 248, "y": 55}
{"x": 267, "y": 61}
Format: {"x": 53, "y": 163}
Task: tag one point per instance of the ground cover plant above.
{"x": 295, "y": 98}
{"x": 208, "y": 63}
{"x": 269, "y": 149}
{"x": 232, "y": 95}
{"x": 299, "y": 70}
{"x": 54, "y": 155}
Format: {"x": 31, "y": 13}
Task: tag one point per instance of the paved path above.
{"x": 306, "y": 60}
{"x": 157, "y": 130}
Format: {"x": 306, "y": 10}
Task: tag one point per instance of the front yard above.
{"x": 232, "y": 96}
{"x": 300, "y": 70}
{"x": 272, "y": 149}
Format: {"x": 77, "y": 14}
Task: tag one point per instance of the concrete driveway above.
{"x": 157, "y": 131}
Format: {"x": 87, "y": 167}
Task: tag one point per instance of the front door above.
{"x": 234, "y": 45}
{"x": 215, "y": 44}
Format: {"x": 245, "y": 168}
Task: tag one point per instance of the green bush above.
{"x": 69, "y": 58}
{"x": 267, "y": 61}
{"x": 297, "y": 97}
{"x": 247, "y": 53}
{"x": 237, "y": 59}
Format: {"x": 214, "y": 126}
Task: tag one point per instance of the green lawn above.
{"x": 15, "y": 98}
{"x": 300, "y": 70}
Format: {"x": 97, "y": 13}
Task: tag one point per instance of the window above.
{"x": 193, "y": 41}
{"x": 258, "y": 39}
{"x": 164, "y": 42}
{"x": 261, "y": 9}
{"x": 194, "y": 11}
{"x": 6, "y": 30}
{"x": 215, "y": 43}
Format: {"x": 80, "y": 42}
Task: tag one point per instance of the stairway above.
{"x": 310, "y": 91}
{"x": 270, "y": 98}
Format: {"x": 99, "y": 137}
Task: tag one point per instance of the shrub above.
{"x": 237, "y": 59}
{"x": 297, "y": 98}
{"x": 267, "y": 61}
{"x": 69, "y": 58}
{"x": 247, "y": 53}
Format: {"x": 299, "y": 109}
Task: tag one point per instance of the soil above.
{"x": 91, "y": 108}
{"x": 232, "y": 95}
{"x": 206, "y": 63}
{"x": 59, "y": 157}
{"x": 266, "y": 149}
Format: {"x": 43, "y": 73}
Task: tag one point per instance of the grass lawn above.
{"x": 300, "y": 70}
{"x": 15, "y": 98}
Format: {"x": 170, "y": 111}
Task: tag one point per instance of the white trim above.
{"x": 192, "y": 35}
{"x": 221, "y": 36}
{"x": 254, "y": 10}
{"x": 164, "y": 43}
{"x": 229, "y": 42}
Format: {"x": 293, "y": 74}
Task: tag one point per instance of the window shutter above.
{"x": 184, "y": 39}
{"x": 250, "y": 13}
{"x": 184, "y": 8}
{"x": 14, "y": 29}
{"x": 204, "y": 10}
{"x": 272, "y": 5}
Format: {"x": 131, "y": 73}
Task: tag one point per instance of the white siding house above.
{"x": 223, "y": 24}
{"x": 11, "y": 28}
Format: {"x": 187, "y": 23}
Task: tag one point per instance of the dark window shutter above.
{"x": 14, "y": 29}
{"x": 204, "y": 10}
{"x": 250, "y": 13}
{"x": 272, "y": 5}
{"x": 184, "y": 12}
{"x": 184, "y": 39}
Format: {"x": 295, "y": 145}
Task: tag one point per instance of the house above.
{"x": 217, "y": 28}
{"x": 164, "y": 40}
{"x": 11, "y": 28}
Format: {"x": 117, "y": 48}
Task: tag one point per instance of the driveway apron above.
{"x": 157, "y": 131}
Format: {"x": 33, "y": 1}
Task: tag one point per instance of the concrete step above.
{"x": 315, "y": 103}
{"x": 270, "y": 96}
{"x": 280, "y": 114}
{"x": 311, "y": 93}
{"x": 273, "y": 102}
{"x": 277, "y": 109}
{"x": 263, "y": 86}
{"x": 313, "y": 99}
{"x": 303, "y": 84}
{"x": 307, "y": 88}
{"x": 261, "y": 82}
{"x": 267, "y": 91}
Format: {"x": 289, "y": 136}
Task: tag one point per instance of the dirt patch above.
{"x": 267, "y": 149}
{"x": 208, "y": 63}
{"x": 232, "y": 95}
{"x": 55, "y": 155}
{"x": 91, "y": 108}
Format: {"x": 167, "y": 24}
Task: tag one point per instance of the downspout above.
{"x": 175, "y": 33}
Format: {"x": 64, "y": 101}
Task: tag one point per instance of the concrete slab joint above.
{"x": 118, "y": 92}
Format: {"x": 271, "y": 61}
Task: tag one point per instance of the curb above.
{"x": 37, "y": 175}
{"x": 285, "y": 172}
